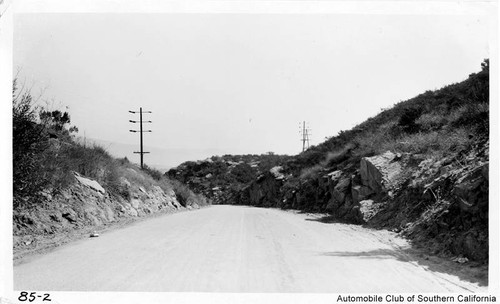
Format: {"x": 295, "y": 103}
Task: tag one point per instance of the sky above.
{"x": 236, "y": 83}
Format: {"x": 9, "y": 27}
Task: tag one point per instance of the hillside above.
{"x": 222, "y": 178}
{"x": 65, "y": 189}
{"x": 419, "y": 168}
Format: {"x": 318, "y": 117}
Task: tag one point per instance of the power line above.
{"x": 140, "y": 121}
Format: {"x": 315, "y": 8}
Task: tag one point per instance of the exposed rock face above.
{"x": 429, "y": 200}
{"x": 360, "y": 193}
{"x": 441, "y": 201}
{"x": 341, "y": 190}
{"x": 384, "y": 172}
{"x": 448, "y": 213}
{"x": 468, "y": 190}
{"x": 85, "y": 205}
{"x": 265, "y": 191}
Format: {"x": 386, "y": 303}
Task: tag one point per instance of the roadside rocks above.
{"x": 360, "y": 193}
{"x": 89, "y": 183}
{"x": 276, "y": 172}
{"x": 354, "y": 196}
{"x": 384, "y": 172}
{"x": 341, "y": 190}
{"x": 471, "y": 189}
{"x": 342, "y": 204}
{"x": 366, "y": 209}
{"x": 265, "y": 191}
{"x": 86, "y": 205}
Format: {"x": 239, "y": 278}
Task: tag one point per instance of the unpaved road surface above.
{"x": 236, "y": 249}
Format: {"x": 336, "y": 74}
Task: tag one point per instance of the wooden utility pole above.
{"x": 141, "y": 152}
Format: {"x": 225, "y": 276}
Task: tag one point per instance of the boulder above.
{"x": 90, "y": 183}
{"x": 383, "y": 172}
{"x": 276, "y": 172}
{"x": 341, "y": 190}
{"x": 332, "y": 179}
{"x": 360, "y": 193}
{"x": 366, "y": 210}
{"x": 334, "y": 176}
{"x": 347, "y": 210}
{"x": 135, "y": 203}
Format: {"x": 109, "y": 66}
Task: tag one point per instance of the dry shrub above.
{"x": 154, "y": 173}
{"x": 432, "y": 121}
{"x": 311, "y": 172}
{"x": 338, "y": 155}
{"x": 373, "y": 141}
{"x": 434, "y": 143}
{"x": 472, "y": 115}
{"x": 187, "y": 197}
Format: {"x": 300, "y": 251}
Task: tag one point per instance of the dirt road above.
{"x": 235, "y": 249}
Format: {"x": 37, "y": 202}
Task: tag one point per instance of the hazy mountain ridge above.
{"x": 159, "y": 158}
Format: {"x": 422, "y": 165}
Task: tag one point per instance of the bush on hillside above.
{"x": 185, "y": 196}
{"x": 243, "y": 173}
{"x": 57, "y": 123}
{"x": 28, "y": 140}
{"x": 46, "y": 154}
{"x": 155, "y": 174}
{"x": 407, "y": 121}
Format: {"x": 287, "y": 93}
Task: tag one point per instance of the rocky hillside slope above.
{"x": 419, "y": 168}
{"x": 85, "y": 207}
{"x": 222, "y": 178}
{"x": 65, "y": 188}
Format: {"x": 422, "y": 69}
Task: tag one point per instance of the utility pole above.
{"x": 141, "y": 152}
{"x": 305, "y": 133}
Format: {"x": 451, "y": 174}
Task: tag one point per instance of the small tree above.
{"x": 57, "y": 122}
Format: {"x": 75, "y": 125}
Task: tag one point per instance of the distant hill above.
{"x": 221, "y": 178}
{"x": 159, "y": 158}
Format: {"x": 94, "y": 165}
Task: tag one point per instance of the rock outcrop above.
{"x": 85, "y": 205}
{"x": 428, "y": 200}
{"x": 471, "y": 189}
{"x": 385, "y": 172}
{"x": 89, "y": 183}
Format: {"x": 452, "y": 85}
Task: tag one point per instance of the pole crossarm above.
{"x": 305, "y": 134}
{"x": 140, "y": 131}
